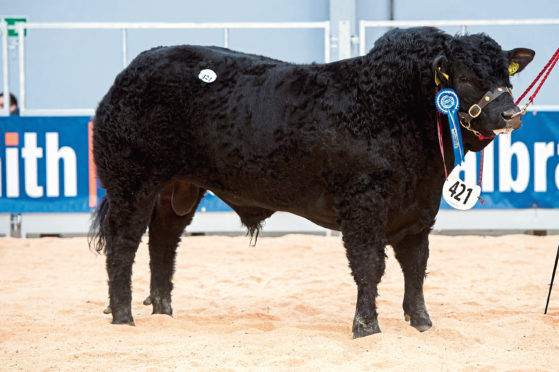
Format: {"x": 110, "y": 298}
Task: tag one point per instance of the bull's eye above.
{"x": 465, "y": 80}
{"x": 470, "y": 82}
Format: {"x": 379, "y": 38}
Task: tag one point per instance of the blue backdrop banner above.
{"x": 46, "y": 166}
{"x": 520, "y": 170}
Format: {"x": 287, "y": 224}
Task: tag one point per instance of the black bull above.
{"x": 350, "y": 145}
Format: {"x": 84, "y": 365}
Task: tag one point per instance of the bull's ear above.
{"x": 519, "y": 58}
{"x": 439, "y": 70}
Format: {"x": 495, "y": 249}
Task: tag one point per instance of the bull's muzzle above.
{"x": 512, "y": 120}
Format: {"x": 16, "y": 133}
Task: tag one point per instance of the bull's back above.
{"x": 160, "y": 109}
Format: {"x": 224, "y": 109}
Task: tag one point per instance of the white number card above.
{"x": 207, "y": 76}
{"x": 459, "y": 194}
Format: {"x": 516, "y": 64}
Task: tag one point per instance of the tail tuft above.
{"x": 97, "y": 237}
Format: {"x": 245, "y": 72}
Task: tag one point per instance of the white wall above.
{"x": 74, "y": 69}
{"x": 543, "y": 39}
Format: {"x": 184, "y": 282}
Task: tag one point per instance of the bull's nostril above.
{"x": 506, "y": 115}
{"x": 510, "y": 113}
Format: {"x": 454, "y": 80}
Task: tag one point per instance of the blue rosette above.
{"x": 448, "y": 103}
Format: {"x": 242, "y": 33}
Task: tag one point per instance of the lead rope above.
{"x": 548, "y": 67}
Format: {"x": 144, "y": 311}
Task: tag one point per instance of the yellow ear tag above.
{"x": 437, "y": 80}
{"x": 513, "y": 67}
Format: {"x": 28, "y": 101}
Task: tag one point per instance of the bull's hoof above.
{"x": 123, "y": 317}
{"x": 420, "y": 322}
{"x": 125, "y": 322}
{"x": 147, "y": 301}
{"x": 129, "y": 322}
{"x": 161, "y": 305}
{"x": 360, "y": 329}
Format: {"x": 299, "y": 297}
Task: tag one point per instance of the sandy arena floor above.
{"x": 286, "y": 304}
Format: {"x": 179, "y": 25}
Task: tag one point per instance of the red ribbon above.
{"x": 441, "y": 145}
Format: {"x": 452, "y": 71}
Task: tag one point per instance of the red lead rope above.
{"x": 548, "y": 67}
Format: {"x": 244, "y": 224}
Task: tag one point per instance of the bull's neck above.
{"x": 408, "y": 93}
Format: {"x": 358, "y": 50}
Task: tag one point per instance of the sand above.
{"x": 285, "y": 304}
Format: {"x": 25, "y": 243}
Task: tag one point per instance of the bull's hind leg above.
{"x": 174, "y": 209}
{"x": 363, "y": 236}
{"x": 412, "y": 253}
{"x": 126, "y": 221}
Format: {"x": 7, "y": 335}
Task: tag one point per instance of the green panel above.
{"x": 11, "y": 25}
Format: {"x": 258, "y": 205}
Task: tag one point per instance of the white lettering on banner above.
{"x": 488, "y": 179}
{"x": 542, "y": 152}
{"x": 518, "y": 151}
{"x": 54, "y": 155}
{"x": 12, "y": 172}
{"x": 31, "y": 153}
{"x": 506, "y": 153}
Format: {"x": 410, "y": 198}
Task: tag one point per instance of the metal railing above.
{"x": 363, "y": 25}
{"x": 446, "y": 23}
{"x": 124, "y": 27}
{"x": 4, "y": 30}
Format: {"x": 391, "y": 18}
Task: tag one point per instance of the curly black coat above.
{"x": 350, "y": 145}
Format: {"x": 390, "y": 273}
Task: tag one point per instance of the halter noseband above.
{"x": 475, "y": 110}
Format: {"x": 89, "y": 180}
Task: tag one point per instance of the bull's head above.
{"x": 478, "y": 70}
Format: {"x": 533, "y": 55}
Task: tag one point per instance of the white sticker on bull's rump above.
{"x": 207, "y": 76}
{"x": 459, "y": 194}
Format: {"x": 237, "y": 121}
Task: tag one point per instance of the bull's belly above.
{"x": 315, "y": 206}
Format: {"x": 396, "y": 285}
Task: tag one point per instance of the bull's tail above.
{"x": 97, "y": 237}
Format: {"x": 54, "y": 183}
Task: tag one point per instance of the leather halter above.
{"x": 475, "y": 110}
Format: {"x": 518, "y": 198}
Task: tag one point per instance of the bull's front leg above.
{"x": 363, "y": 236}
{"x": 367, "y": 266}
{"x": 412, "y": 252}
